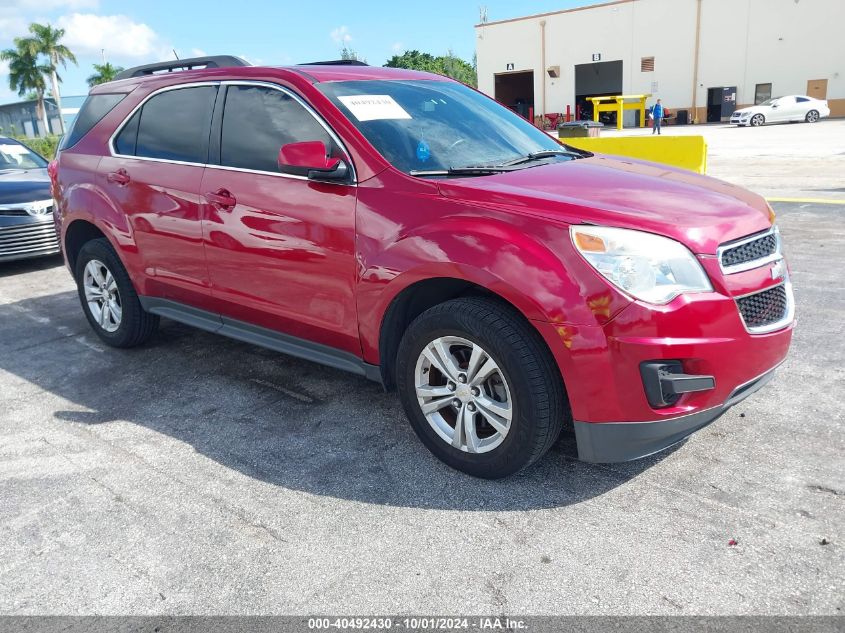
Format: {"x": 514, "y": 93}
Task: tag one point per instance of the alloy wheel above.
{"x": 102, "y": 295}
{"x": 463, "y": 394}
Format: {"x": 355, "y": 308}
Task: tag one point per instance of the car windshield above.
{"x": 435, "y": 126}
{"x": 16, "y": 156}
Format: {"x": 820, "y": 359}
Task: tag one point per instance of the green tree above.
{"x": 26, "y": 75}
{"x": 449, "y": 65}
{"x": 347, "y": 53}
{"x": 103, "y": 73}
{"x": 46, "y": 40}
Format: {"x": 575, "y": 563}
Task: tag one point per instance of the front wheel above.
{"x": 812, "y": 116}
{"x": 757, "y": 120}
{"x": 480, "y": 388}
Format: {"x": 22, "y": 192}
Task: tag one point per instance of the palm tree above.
{"x": 104, "y": 72}
{"x": 45, "y": 40}
{"x": 26, "y": 75}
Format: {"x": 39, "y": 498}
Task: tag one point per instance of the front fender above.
{"x": 533, "y": 274}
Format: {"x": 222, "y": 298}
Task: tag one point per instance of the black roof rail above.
{"x": 211, "y": 61}
{"x": 336, "y": 62}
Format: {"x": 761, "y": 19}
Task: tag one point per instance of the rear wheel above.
{"x": 757, "y": 120}
{"x": 812, "y": 116}
{"x": 108, "y": 297}
{"x": 480, "y": 388}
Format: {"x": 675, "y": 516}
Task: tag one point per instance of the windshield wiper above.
{"x": 477, "y": 170}
{"x": 546, "y": 153}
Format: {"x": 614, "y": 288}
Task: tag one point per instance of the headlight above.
{"x": 649, "y": 267}
{"x": 39, "y": 207}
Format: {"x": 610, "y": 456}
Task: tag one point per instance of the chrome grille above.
{"x": 767, "y": 310}
{"x": 10, "y": 210}
{"x": 26, "y": 240}
{"x": 758, "y": 249}
{"x": 750, "y": 252}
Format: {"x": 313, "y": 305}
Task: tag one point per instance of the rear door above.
{"x": 154, "y": 176}
{"x": 281, "y": 252}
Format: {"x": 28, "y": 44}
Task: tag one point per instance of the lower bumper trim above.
{"x": 609, "y": 442}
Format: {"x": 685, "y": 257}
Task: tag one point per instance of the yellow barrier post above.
{"x": 687, "y": 152}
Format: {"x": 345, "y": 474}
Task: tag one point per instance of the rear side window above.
{"x": 175, "y": 125}
{"x": 94, "y": 109}
{"x": 257, "y": 121}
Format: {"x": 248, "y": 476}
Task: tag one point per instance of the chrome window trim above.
{"x": 236, "y": 82}
{"x": 754, "y": 263}
{"x": 788, "y": 317}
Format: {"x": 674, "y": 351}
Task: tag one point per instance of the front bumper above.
{"x": 624, "y": 441}
{"x": 617, "y": 417}
{"x": 27, "y": 236}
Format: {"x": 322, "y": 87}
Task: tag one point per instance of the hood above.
{"x": 698, "y": 211}
{"x": 750, "y": 109}
{"x": 24, "y": 185}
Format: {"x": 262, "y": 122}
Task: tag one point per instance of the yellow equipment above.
{"x": 618, "y": 104}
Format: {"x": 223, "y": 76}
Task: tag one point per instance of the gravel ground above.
{"x": 199, "y": 475}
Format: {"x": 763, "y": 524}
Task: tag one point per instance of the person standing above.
{"x": 657, "y": 113}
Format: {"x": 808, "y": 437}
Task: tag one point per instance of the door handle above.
{"x": 221, "y": 199}
{"x": 120, "y": 177}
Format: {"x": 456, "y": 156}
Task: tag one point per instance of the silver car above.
{"x": 781, "y": 110}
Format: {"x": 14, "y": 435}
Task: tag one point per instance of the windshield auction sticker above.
{"x": 374, "y": 107}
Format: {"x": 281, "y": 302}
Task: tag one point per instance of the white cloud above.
{"x": 398, "y": 47}
{"x": 198, "y": 52}
{"x": 252, "y": 61}
{"x": 119, "y": 35}
{"x": 17, "y": 15}
{"x": 51, "y": 5}
{"x": 341, "y": 35}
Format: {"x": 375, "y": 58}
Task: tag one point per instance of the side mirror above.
{"x": 310, "y": 158}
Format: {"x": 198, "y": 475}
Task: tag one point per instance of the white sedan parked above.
{"x": 792, "y": 108}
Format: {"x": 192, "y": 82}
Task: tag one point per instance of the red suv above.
{"x": 404, "y": 227}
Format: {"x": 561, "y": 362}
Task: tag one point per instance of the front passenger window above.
{"x": 258, "y": 120}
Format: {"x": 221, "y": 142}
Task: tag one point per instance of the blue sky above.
{"x": 271, "y": 32}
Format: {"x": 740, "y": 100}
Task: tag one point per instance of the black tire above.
{"x": 757, "y": 120}
{"x": 136, "y": 326}
{"x": 812, "y": 116}
{"x": 539, "y": 406}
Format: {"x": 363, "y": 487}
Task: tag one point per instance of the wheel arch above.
{"x": 418, "y": 297}
{"x": 76, "y": 235}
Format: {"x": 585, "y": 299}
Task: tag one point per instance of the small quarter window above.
{"x": 91, "y": 112}
{"x": 125, "y": 141}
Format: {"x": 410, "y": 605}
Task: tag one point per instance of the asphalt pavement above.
{"x": 199, "y": 475}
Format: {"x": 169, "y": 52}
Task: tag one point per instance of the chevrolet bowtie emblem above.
{"x": 778, "y": 269}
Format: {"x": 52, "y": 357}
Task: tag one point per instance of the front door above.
{"x": 784, "y": 109}
{"x": 154, "y": 178}
{"x": 280, "y": 247}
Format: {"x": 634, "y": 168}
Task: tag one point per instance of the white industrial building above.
{"x": 711, "y": 55}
